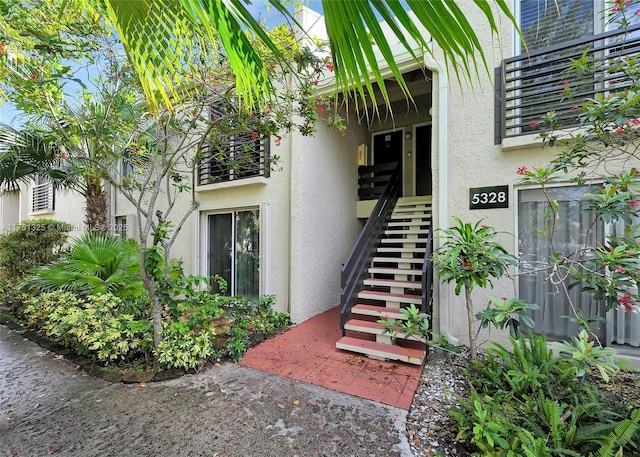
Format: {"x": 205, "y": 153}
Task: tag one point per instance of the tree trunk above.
{"x": 470, "y": 321}
{"x": 156, "y": 310}
{"x": 95, "y": 217}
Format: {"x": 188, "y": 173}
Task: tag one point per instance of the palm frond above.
{"x": 162, "y": 40}
{"x": 28, "y": 153}
{"x": 95, "y": 263}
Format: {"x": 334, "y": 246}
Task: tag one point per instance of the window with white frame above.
{"x": 545, "y": 23}
{"x": 234, "y": 251}
{"x": 575, "y": 230}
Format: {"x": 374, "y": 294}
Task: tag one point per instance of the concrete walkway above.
{"x": 50, "y": 407}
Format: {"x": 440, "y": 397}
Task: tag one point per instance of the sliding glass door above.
{"x": 234, "y": 251}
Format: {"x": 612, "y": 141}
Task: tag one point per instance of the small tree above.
{"x": 109, "y": 122}
{"x": 469, "y": 257}
{"x": 603, "y": 157}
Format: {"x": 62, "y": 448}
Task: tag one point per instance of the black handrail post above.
{"x": 427, "y": 280}
{"x": 355, "y": 268}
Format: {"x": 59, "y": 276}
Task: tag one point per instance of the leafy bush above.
{"x": 95, "y": 264}
{"x": 95, "y": 326}
{"x": 32, "y": 244}
{"x": 528, "y": 402}
{"x": 186, "y": 349}
{"x": 199, "y": 325}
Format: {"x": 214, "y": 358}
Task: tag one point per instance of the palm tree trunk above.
{"x": 470, "y": 320}
{"x": 96, "y": 206}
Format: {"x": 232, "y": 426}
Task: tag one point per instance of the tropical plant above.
{"x": 413, "y": 323}
{"x": 586, "y": 355}
{"x": 599, "y": 158}
{"x": 526, "y": 401}
{"x": 94, "y": 264}
{"x": 469, "y": 257}
{"x": 96, "y": 325}
{"x": 161, "y": 36}
{"x": 508, "y": 313}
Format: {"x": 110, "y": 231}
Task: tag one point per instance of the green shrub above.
{"x": 528, "y": 402}
{"x": 181, "y": 348}
{"x": 32, "y": 244}
{"x": 94, "y": 264}
{"x": 200, "y": 325}
{"x": 11, "y": 298}
{"x": 94, "y": 326}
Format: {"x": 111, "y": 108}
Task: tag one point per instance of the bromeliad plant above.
{"x": 470, "y": 257}
{"x": 413, "y": 323}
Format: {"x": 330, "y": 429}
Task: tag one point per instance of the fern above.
{"x": 622, "y": 436}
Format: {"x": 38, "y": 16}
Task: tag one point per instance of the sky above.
{"x": 9, "y": 115}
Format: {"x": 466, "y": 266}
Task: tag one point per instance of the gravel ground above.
{"x": 430, "y": 429}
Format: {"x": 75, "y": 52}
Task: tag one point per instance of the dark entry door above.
{"x": 423, "y": 160}
{"x": 387, "y": 147}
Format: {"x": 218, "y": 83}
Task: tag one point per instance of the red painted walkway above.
{"x": 308, "y": 353}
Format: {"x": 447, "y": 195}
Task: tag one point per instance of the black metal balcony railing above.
{"x": 43, "y": 198}
{"x": 244, "y": 156}
{"x": 530, "y": 85}
{"x": 373, "y": 179}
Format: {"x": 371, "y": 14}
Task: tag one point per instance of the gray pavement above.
{"x": 48, "y": 406}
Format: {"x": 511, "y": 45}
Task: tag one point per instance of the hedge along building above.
{"x": 289, "y": 231}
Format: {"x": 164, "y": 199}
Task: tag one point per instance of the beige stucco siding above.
{"x": 323, "y": 216}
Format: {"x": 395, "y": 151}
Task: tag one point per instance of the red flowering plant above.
{"x": 601, "y": 156}
{"x": 471, "y": 257}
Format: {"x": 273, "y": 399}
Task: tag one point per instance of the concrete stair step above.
{"x": 374, "y": 328}
{"x": 398, "y": 250}
{"x": 381, "y": 351}
{"x": 402, "y": 240}
{"x": 424, "y": 217}
{"x": 419, "y": 199}
{"x": 411, "y": 208}
{"x": 377, "y": 311}
{"x": 394, "y": 271}
{"x": 411, "y": 231}
{"x": 389, "y": 297}
{"x": 408, "y": 224}
{"x": 392, "y": 283}
{"x": 417, "y": 260}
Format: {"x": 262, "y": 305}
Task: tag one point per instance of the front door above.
{"x": 387, "y": 147}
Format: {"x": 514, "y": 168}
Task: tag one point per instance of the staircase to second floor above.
{"x": 396, "y": 278}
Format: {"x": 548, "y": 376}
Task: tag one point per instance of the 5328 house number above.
{"x": 489, "y": 197}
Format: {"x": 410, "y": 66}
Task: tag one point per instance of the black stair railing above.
{"x": 373, "y": 179}
{"x": 355, "y": 268}
{"x": 427, "y": 278}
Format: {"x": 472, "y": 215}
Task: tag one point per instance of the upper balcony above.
{"x": 244, "y": 156}
{"x": 530, "y": 85}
